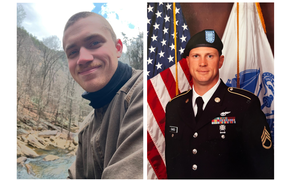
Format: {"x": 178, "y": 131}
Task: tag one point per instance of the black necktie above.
{"x": 199, "y": 103}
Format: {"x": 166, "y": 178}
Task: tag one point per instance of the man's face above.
{"x": 92, "y": 54}
{"x": 204, "y": 64}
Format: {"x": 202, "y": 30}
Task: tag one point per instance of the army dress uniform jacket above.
{"x": 230, "y": 140}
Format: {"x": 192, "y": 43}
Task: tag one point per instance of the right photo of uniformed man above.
{"x": 210, "y": 90}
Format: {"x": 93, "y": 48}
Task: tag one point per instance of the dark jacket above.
{"x": 239, "y": 148}
{"x": 111, "y": 137}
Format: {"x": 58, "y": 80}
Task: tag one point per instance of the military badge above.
{"x": 266, "y": 139}
{"x": 210, "y": 36}
{"x": 222, "y": 129}
{"x": 225, "y": 113}
{"x": 173, "y": 129}
{"x": 224, "y": 120}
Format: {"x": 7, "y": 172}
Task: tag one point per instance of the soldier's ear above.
{"x": 221, "y": 61}
{"x": 119, "y": 47}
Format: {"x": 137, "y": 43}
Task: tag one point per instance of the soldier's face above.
{"x": 204, "y": 64}
{"x": 91, "y": 52}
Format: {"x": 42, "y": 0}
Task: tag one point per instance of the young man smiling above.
{"x": 215, "y": 131}
{"x": 111, "y": 136}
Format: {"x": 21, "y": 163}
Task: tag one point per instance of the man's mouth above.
{"x": 88, "y": 70}
{"x": 202, "y": 71}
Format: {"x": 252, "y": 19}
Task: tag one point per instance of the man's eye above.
{"x": 95, "y": 43}
{"x": 210, "y": 56}
{"x": 72, "y": 53}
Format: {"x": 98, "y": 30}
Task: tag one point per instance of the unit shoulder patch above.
{"x": 179, "y": 95}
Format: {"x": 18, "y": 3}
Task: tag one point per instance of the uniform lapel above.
{"x": 214, "y": 106}
{"x": 186, "y": 110}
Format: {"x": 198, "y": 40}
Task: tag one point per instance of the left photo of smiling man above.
{"x": 98, "y": 46}
{"x": 110, "y": 143}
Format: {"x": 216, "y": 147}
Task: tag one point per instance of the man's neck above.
{"x": 202, "y": 89}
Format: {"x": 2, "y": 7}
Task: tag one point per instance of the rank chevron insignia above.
{"x": 266, "y": 136}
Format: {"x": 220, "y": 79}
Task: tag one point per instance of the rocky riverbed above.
{"x": 40, "y": 152}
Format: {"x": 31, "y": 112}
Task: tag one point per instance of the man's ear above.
{"x": 221, "y": 61}
{"x": 119, "y": 47}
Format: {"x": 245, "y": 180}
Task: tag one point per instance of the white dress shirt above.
{"x": 206, "y": 97}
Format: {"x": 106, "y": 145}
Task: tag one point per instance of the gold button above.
{"x": 217, "y": 99}
{"x": 223, "y": 136}
{"x": 195, "y": 135}
{"x": 194, "y": 151}
{"x": 194, "y": 167}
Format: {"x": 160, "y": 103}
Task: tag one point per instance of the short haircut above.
{"x": 85, "y": 14}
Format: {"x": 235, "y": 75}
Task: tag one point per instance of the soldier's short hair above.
{"x": 85, "y": 14}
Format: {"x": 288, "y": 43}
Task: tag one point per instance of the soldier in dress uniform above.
{"x": 215, "y": 131}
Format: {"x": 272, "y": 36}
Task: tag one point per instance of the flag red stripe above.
{"x": 155, "y": 106}
{"x": 155, "y": 159}
{"x": 169, "y": 82}
{"x": 184, "y": 66}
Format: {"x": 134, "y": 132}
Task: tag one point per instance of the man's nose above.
{"x": 203, "y": 61}
{"x": 84, "y": 56}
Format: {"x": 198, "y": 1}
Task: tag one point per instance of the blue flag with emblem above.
{"x": 256, "y": 62}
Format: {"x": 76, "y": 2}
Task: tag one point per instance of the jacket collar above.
{"x": 213, "y": 108}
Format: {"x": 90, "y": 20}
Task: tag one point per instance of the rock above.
{"x": 62, "y": 135}
{"x": 24, "y": 150}
{"x": 19, "y": 152}
{"x": 23, "y": 138}
{"x": 29, "y": 169}
{"x": 75, "y": 140}
{"x": 71, "y": 148}
{"x": 52, "y": 138}
{"x": 74, "y": 129}
{"x": 47, "y": 133}
{"x": 31, "y": 122}
{"x": 21, "y": 131}
{"x": 40, "y": 128}
{"x": 72, "y": 153}
{"x": 61, "y": 143}
{"x": 33, "y": 141}
{"x": 21, "y": 159}
{"x": 42, "y": 141}
{"x": 50, "y": 158}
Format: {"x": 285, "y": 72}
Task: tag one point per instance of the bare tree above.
{"x": 47, "y": 72}
{"x": 70, "y": 93}
{"x": 134, "y": 50}
{"x": 21, "y": 14}
{"x": 52, "y": 42}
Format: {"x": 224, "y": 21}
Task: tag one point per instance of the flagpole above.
{"x": 238, "y": 48}
{"x": 261, "y": 16}
{"x": 174, "y": 25}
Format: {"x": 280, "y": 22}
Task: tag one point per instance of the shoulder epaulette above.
{"x": 179, "y": 95}
{"x": 241, "y": 92}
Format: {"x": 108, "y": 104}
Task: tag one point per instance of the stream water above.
{"x": 56, "y": 169}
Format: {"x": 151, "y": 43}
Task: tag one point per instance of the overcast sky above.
{"x": 47, "y": 19}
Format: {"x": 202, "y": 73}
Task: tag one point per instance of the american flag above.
{"x": 161, "y": 77}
